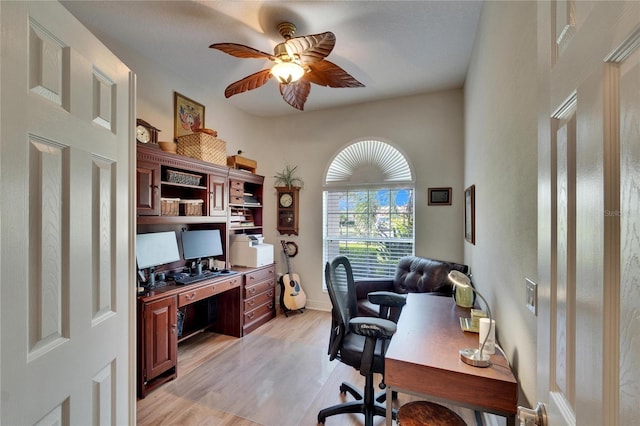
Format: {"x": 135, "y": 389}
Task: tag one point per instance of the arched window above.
{"x": 369, "y": 208}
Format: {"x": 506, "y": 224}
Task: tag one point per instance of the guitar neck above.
{"x": 286, "y": 256}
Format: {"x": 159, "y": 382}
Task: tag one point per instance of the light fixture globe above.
{"x": 472, "y": 356}
{"x": 287, "y": 72}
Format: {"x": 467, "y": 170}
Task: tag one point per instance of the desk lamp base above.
{"x": 472, "y": 357}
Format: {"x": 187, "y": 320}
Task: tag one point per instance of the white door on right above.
{"x": 589, "y": 212}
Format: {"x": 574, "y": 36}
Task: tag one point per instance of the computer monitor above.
{"x": 200, "y": 244}
{"x": 156, "y": 248}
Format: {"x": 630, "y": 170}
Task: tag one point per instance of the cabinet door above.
{"x": 217, "y": 195}
{"x": 160, "y": 336}
{"x": 148, "y": 188}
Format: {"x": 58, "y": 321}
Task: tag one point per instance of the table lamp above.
{"x": 473, "y": 356}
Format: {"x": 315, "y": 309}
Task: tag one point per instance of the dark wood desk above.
{"x": 423, "y": 359}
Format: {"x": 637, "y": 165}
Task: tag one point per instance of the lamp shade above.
{"x": 462, "y": 293}
{"x": 287, "y": 72}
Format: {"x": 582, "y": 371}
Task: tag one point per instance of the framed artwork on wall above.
{"x": 470, "y": 214}
{"x": 439, "y": 196}
{"x": 188, "y": 115}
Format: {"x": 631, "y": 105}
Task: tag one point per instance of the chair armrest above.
{"x": 364, "y": 287}
{"x": 372, "y": 327}
{"x": 388, "y": 298}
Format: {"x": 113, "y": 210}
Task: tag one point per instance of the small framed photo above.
{"x": 439, "y": 196}
{"x": 188, "y": 115}
{"x": 470, "y": 214}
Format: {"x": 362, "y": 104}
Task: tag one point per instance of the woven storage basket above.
{"x": 203, "y": 147}
{"x": 191, "y": 207}
{"x": 170, "y": 206}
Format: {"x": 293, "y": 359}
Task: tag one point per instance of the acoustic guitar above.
{"x": 292, "y": 296}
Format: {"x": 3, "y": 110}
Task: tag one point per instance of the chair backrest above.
{"x": 342, "y": 292}
{"x": 421, "y": 275}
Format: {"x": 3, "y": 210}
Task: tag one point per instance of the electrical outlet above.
{"x": 532, "y": 296}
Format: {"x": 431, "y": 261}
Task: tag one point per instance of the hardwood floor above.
{"x": 257, "y": 380}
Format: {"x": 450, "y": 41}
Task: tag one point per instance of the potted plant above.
{"x": 287, "y": 177}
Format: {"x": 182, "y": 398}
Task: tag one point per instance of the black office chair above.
{"x": 360, "y": 342}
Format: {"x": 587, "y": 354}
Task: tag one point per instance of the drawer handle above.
{"x": 251, "y": 277}
{"x": 252, "y": 302}
{"x": 252, "y": 290}
{"x": 270, "y": 305}
{"x": 190, "y": 296}
{"x": 270, "y": 293}
{"x": 251, "y": 315}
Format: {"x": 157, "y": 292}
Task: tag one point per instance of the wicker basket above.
{"x": 183, "y": 178}
{"x": 170, "y": 206}
{"x": 203, "y": 147}
{"x": 191, "y": 207}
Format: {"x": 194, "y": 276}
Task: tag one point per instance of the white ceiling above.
{"x": 395, "y": 48}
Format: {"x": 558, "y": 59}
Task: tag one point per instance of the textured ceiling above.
{"x": 395, "y": 48}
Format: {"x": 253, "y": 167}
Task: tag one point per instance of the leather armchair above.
{"x": 414, "y": 274}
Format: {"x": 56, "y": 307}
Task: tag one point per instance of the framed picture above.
{"x": 439, "y": 196}
{"x": 470, "y": 214}
{"x": 188, "y": 115}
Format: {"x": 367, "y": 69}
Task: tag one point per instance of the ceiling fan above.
{"x": 299, "y": 61}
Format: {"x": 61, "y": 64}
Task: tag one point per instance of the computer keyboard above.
{"x": 195, "y": 278}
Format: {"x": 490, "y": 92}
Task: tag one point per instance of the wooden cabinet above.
{"x": 217, "y": 195}
{"x": 258, "y": 297}
{"x": 236, "y": 304}
{"x": 148, "y": 188}
{"x": 214, "y": 305}
{"x": 157, "y": 343}
{"x": 245, "y": 202}
{"x": 163, "y": 177}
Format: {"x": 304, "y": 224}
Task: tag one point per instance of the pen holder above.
{"x": 490, "y": 345}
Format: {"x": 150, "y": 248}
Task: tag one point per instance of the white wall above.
{"x": 501, "y": 160}
{"x": 428, "y": 129}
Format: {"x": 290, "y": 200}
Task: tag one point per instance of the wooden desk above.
{"x": 423, "y": 359}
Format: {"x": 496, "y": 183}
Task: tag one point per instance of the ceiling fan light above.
{"x": 287, "y": 72}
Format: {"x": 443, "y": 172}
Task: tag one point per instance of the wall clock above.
{"x": 287, "y": 211}
{"x": 146, "y": 133}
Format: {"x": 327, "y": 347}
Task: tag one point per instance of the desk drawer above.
{"x": 236, "y": 192}
{"x": 236, "y": 184}
{"x": 258, "y": 300}
{"x": 261, "y": 287}
{"x": 259, "y": 312}
{"x": 259, "y": 275}
{"x": 190, "y": 296}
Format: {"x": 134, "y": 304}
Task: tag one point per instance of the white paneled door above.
{"x": 589, "y": 212}
{"x": 65, "y": 224}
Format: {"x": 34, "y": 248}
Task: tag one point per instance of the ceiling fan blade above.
{"x": 295, "y": 94}
{"x": 250, "y": 82}
{"x": 241, "y": 51}
{"x": 312, "y": 48}
{"x": 326, "y": 73}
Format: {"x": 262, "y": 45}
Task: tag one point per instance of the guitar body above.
{"x": 293, "y": 296}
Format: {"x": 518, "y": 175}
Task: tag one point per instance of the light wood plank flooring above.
{"x": 189, "y": 400}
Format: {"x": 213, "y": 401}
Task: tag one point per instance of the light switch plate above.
{"x": 532, "y": 296}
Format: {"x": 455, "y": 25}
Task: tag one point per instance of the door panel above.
{"x": 629, "y": 216}
{"x": 65, "y": 204}
{"x": 588, "y": 369}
